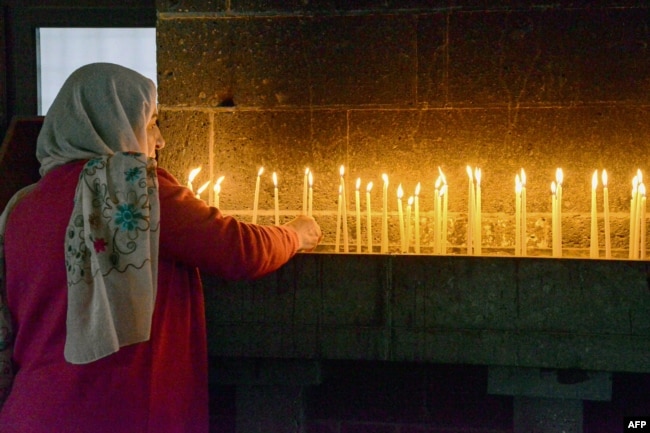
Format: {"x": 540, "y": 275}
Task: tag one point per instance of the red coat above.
{"x": 157, "y": 386}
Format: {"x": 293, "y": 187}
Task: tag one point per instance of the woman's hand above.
{"x": 308, "y": 232}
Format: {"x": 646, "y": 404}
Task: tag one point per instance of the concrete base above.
{"x": 549, "y": 400}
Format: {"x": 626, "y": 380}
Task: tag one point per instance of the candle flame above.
{"x": 635, "y": 182}
{"x": 275, "y": 180}
{"x": 417, "y": 189}
{"x": 443, "y": 190}
{"x": 469, "y": 173}
{"x": 193, "y": 173}
{"x": 642, "y": 189}
{"x": 342, "y": 171}
{"x": 369, "y": 187}
{"x": 217, "y": 184}
{"x": 311, "y": 179}
{"x": 639, "y": 175}
{"x": 202, "y": 188}
{"x": 523, "y": 178}
{"x": 604, "y": 178}
{"x": 307, "y": 171}
{"x": 410, "y": 201}
{"x": 559, "y": 176}
{"x": 260, "y": 171}
{"x": 442, "y": 175}
{"x": 518, "y": 184}
{"x": 438, "y": 182}
{"x": 594, "y": 180}
{"x": 400, "y": 192}
{"x": 553, "y": 188}
{"x": 385, "y": 178}
{"x": 358, "y": 183}
{"x": 477, "y": 175}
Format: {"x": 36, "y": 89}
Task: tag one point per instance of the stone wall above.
{"x": 403, "y": 88}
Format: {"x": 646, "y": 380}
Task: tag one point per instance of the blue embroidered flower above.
{"x": 133, "y": 174}
{"x": 93, "y": 162}
{"x": 127, "y": 217}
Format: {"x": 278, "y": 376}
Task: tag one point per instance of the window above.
{"x": 62, "y": 50}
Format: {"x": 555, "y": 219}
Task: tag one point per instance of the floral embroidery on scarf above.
{"x": 116, "y": 218}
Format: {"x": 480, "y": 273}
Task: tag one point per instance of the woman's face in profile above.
{"x": 155, "y": 140}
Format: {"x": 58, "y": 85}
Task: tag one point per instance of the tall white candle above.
{"x": 642, "y": 252}
{"x": 608, "y": 241}
{"x": 517, "y": 216}
{"x": 524, "y": 214}
{"x": 559, "y": 176}
{"x": 444, "y": 192}
{"x": 357, "y": 203}
{"x": 369, "y": 217}
{"x": 276, "y": 201}
{"x": 305, "y": 186}
{"x": 338, "y": 221}
{"x": 593, "y": 245}
{"x": 344, "y": 209}
{"x": 409, "y": 206}
{"x": 437, "y": 212}
{"x": 257, "y": 194}
{"x": 554, "y": 228}
{"x": 310, "y": 208}
{"x": 478, "y": 233}
{"x": 217, "y": 191}
{"x": 384, "y": 220}
{"x": 470, "y": 211}
{"x": 400, "y": 212}
{"x": 416, "y": 211}
{"x": 633, "y": 220}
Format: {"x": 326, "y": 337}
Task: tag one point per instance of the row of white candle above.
{"x": 474, "y": 230}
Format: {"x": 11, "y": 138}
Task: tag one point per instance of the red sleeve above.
{"x": 200, "y": 236}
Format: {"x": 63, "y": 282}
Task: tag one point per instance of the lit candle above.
{"x": 384, "y": 220}
{"x": 559, "y": 176}
{"x": 201, "y": 189}
{"x": 357, "y": 203}
{"x": 445, "y": 196}
{"x": 217, "y": 190}
{"x": 275, "y": 199}
{"x": 400, "y": 212}
{"x": 554, "y": 218}
{"x": 416, "y": 211}
{"x": 369, "y": 217}
{"x": 524, "y": 216}
{"x": 437, "y": 223}
{"x": 470, "y": 210}
{"x": 193, "y": 173}
{"x": 637, "y": 219}
{"x": 593, "y": 246}
{"x": 305, "y": 183}
{"x": 310, "y": 209}
{"x": 478, "y": 234}
{"x": 409, "y": 205}
{"x": 344, "y": 214}
{"x": 642, "y": 221}
{"x": 338, "y": 221}
{"x": 257, "y": 194}
{"x": 635, "y": 185}
{"x": 608, "y": 242}
{"x": 517, "y": 216}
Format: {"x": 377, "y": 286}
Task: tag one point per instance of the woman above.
{"x": 101, "y": 259}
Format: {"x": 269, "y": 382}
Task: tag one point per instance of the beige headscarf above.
{"x": 111, "y": 246}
